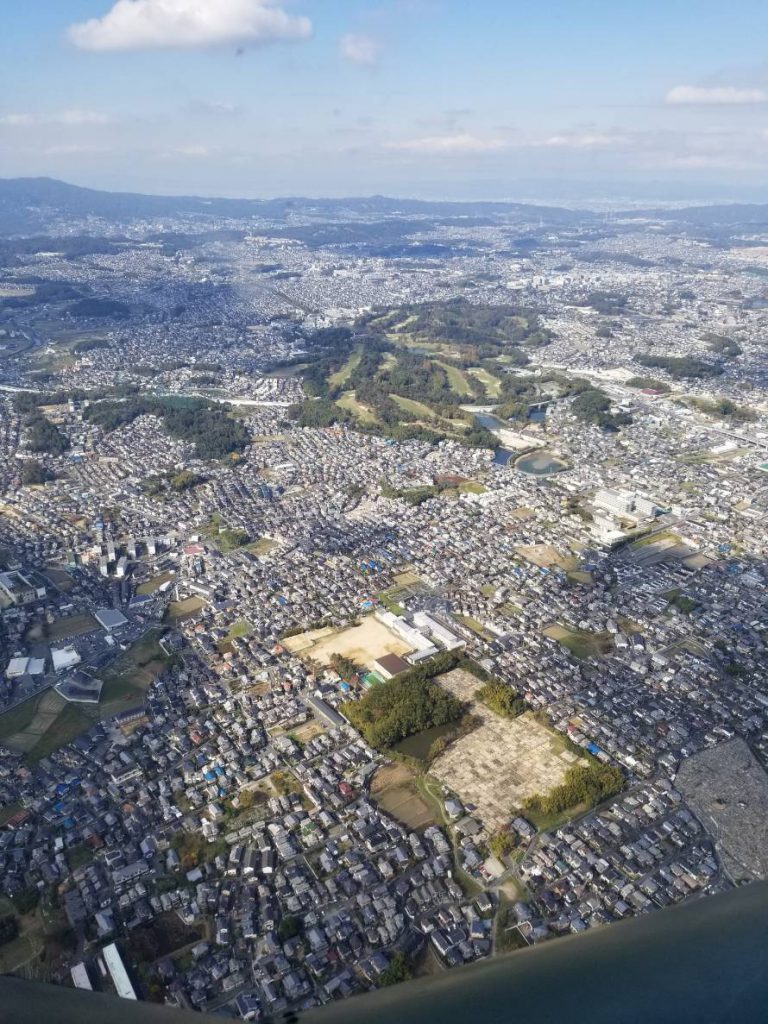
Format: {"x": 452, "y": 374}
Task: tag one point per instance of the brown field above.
{"x": 72, "y": 625}
{"x": 545, "y": 556}
{"x": 306, "y": 732}
{"x": 180, "y": 610}
{"x": 394, "y": 791}
{"x": 59, "y": 578}
{"x": 363, "y": 644}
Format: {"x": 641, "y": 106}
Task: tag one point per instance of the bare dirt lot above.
{"x": 545, "y": 556}
{"x": 363, "y": 644}
{"x": 394, "y": 790}
{"x": 503, "y": 761}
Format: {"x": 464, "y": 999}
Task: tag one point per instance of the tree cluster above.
{"x": 204, "y": 424}
{"x": 502, "y": 699}
{"x": 681, "y": 367}
{"x": 648, "y": 384}
{"x": 593, "y": 406}
{"x": 405, "y": 705}
{"x": 34, "y": 472}
{"x": 44, "y": 436}
{"x": 398, "y": 970}
{"x": 722, "y": 345}
{"x": 346, "y": 667}
{"x": 588, "y": 785}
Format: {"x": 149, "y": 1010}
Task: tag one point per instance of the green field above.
{"x": 150, "y": 586}
{"x": 456, "y": 379}
{"x": 338, "y": 379}
{"x": 417, "y": 408}
{"x": 47, "y": 722}
{"x": 262, "y": 546}
{"x": 581, "y": 644}
{"x": 491, "y": 384}
{"x": 349, "y": 402}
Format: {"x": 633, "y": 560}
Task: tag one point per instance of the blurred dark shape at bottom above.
{"x": 704, "y": 962}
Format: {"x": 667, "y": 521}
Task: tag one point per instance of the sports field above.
{"x": 363, "y": 644}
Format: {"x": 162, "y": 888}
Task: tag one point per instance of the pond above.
{"x": 540, "y": 463}
{"x": 419, "y": 744}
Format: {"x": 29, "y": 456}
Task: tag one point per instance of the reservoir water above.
{"x": 540, "y": 463}
{"x": 418, "y": 745}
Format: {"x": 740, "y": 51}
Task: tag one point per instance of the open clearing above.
{"x": 180, "y": 610}
{"x": 150, "y": 586}
{"x": 363, "y": 644}
{"x": 502, "y": 762}
{"x": 491, "y": 384}
{"x": 71, "y": 625}
{"x": 43, "y": 724}
{"x": 394, "y": 790}
{"x": 349, "y": 402}
{"x": 545, "y": 556}
{"x": 336, "y": 380}
{"x": 581, "y": 644}
{"x": 59, "y": 578}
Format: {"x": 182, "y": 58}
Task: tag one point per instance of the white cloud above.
{"x": 448, "y": 144}
{"x": 198, "y": 152}
{"x": 721, "y": 95}
{"x": 215, "y": 108}
{"x": 17, "y": 120}
{"x": 363, "y": 50}
{"x": 187, "y": 24}
{"x": 80, "y": 117}
{"x": 586, "y": 140}
{"x": 66, "y": 117}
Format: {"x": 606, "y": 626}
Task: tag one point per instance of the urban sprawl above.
{"x": 382, "y": 587}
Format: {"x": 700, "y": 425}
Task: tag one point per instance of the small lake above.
{"x": 418, "y": 745}
{"x": 540, "y": 463}
{"x": 490, "y": 422}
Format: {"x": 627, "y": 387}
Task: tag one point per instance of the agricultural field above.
{"x": 394, "y": 790}
{"x": 44, "y": 723}
{"x": 64, "y": 628}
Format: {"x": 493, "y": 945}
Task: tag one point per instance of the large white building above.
{"x": 626, "y": 504}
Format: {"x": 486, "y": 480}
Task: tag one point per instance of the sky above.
{"x": 453, "y": 99}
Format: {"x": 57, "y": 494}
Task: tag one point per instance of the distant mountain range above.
{"x": 30, "y": 205}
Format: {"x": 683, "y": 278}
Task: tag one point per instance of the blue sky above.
{"x": 435, "y": 98}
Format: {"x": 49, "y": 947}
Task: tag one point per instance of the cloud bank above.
{"x": 448, "y": 144}
{"x": 67, "y": 117}
{"x": 188, "y": 24}
{"x": 721, "y": 95}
